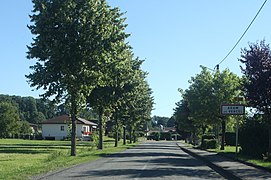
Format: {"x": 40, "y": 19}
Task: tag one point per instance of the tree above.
{"x": 204, "y": 96}
{"x": 199, "y": 98}
{"x": 184, "y": 122}
{"x": 257, "y": 87}
{"x": 24, "y": 128}
{"x": 140, "y": 106}
{"x": 9, "y": 117}
{"x": 161, "y": 120}
{"x": 227, "y": 86}
{"x": 171, "y": 122}
{"x": 115, "y": 70}
{"x": 72, "y": 40}
{"x": 30, "y": 109}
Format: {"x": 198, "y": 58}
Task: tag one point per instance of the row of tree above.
{"x": 198, "y": 112}
{"x": 83, "y": 58}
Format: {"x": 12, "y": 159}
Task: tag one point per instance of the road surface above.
{"x": 150, "y": 160}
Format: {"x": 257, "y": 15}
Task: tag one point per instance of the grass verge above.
{"x": 21, "y": 159}
{"x": 230, "y": 152}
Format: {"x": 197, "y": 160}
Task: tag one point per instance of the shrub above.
{"x": 95, "y": 140}
{"x": 165, "y": 136}
{"x": 209, "y": 144}
{"x": 155, "y": 136}
{"x": 230, "y": 138}
{"x": 205, "y": 137}
{"x": 253, "y": 138}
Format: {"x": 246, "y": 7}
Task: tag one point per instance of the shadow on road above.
{"x": 149, "y": 173}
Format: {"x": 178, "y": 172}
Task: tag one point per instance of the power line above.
{"x": 217, "y": 66}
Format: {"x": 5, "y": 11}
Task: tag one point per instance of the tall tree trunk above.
{"x": 130, "y": 132}
{"x": 223, "y": 126}
{"x": 124, "y": 135}
{"x": 134, "y": 136}
{"x": 73, "y": 118}
{"x": 100, "y": 126}
{"x": 269, "y": 140}
{"x": 116, "y": 131}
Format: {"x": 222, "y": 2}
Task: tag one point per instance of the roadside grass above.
{"x": 230, "y": 152}
{"x": 21, "y": 159}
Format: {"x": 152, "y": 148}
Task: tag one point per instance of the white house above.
{"x": 58, "y": 128}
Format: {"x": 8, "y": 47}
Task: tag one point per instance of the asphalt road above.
{"x": 150, "y": 160}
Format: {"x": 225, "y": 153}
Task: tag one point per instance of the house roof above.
{"x": 64, "y": 119}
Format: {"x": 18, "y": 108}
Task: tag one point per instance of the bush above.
{"x": 165, "y": 136}
{"x": 208, "y": 136}
{"x": 155, "y": 136}
{"x": 94, "y": 139}
{"x": 209, "y": 144}
{"x": 205, "y": 137}
{"x": 253, "y": 138}
{"x": 230, "y": 138}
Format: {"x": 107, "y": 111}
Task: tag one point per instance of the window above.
{"x": 61, "y": 128}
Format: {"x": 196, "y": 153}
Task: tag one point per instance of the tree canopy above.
{"x": 81, "y": 54}
{"x": 8, "y": 119}
{"x": 200, "y": 104}
{"x": 257, "y": 87}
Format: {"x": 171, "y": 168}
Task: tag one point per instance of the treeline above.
{"x": 36, "y": 110}
{"x": 30, "y": 109}
{"x": 198, "y": 116}
{"x": 83, "y": 58}
{"x": 158, "y": 122}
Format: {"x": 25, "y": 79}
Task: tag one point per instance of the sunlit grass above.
{"x": 20, "y": 159}
{"x": 230, "y": 152}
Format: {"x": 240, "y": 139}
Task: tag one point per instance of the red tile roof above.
{"x": 64, "y": 119}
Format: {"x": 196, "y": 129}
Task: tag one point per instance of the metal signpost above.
{"x": 233, "y": 109}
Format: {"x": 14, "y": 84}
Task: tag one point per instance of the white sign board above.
{"x": 232, "y": 109}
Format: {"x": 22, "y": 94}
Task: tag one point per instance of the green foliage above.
{"x": 8, "y": 119}
{"x": 257, "y": 71}
{"x": 183, "y": 119}
{"x": 209, "y": 144}
{"x": 199, "y": 108}
{"x": 30, "y": 109}
{"x": 155, "y": 136}
{"x": 252, "y": 138}
{"x": 82, "y": 54}
{"x": 160, "y": 120}
{"x": 171, "y": 122}
{"x": 24, "y": 128}
{"x": 95, "y": 139}
{"x": 165, "y": 136}
{"x": 208, "y": 136}
{"x": 207, "y": 140}
{"x": 257, "y": 85}
{"x": 230, "y": 138}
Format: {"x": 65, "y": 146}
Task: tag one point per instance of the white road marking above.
{"x": 144, "y": 167}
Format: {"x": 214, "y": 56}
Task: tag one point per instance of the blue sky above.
{"x": 174, "y": 37}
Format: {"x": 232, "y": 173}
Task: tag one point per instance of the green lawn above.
{"x": 20, "y": 159}
{"x": 230, "y": 152}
